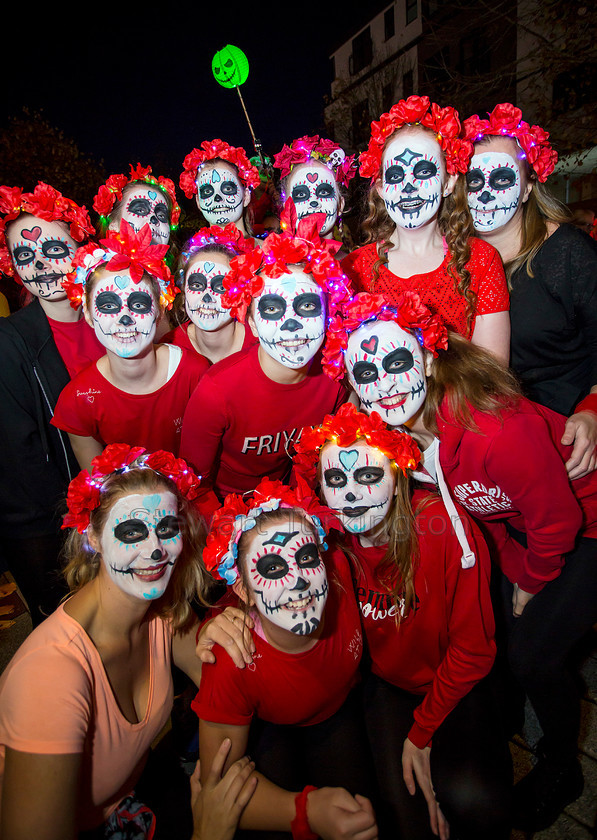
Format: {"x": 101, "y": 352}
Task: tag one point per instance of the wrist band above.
{"x": 588, "y": 404}
{"x": 301, "y": 830}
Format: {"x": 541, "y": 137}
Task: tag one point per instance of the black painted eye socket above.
{"x": 161, "y": 211}
{"x": 398, "y": 361}
{"x": 307, "y": 556}
{"x": 55, "y": 249}
{"x": 300, "y": 193}
{"x": 325, "y": 191}
{"x": 108, "y": 302}
{"x": 206, "y": 191}
{"x": 502, "y": 178}
{"x": 23, "y": 255}
{"x": 369, "y": 475}
{"x": 424, "y": 169}
{"x": 307, "y": 305}
{"x": 217, "y": 284}
{"x": 168, "y": 528}
{"x": 229, "y": 188}
{"x": 365, "y": 372}
{"x": 139, "y": 207}
{"x": 334, "y": 477}
{"x": 394, "y": 174}
{"x": 196, "y": 282}
{"x": 140, "y": 302}
{"x": 131, "y": 531}
{"x": 271, "y": 307}
{"x": 272, "y": 566}
{"x": 475, "y": 180}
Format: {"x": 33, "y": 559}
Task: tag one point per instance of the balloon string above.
{"x": 256, "y": 143}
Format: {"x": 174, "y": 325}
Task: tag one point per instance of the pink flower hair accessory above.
{"x": 239, "y": 514}
{"x": 120, "y": 250}
{"x": 409, "y": 313}
{"x": 217, "y": 150}
{"x": 111, "y": 192}
{"x": 506, "y": 120}
{"x": 228, "y": 237}
{"x": 85, "y": 491}
{"x": 417, "y": 110}
{"x": 44, "y": 203}
{"x": 317, "y": 148}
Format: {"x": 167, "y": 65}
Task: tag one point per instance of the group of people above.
{"x": 350, "y": 492}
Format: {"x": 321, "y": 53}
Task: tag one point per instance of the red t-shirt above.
{"x": 298, "y": 689}
{"x": 180, "y": 337}
{"x": 90, "y": 406}
{"x": 437, "y": 288}
{"x": 445, "y": 644}
{"x": 239, "y": 424}
{"x": 77, "y": 344}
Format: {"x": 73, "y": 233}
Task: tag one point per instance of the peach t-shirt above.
{"x": 55, "y": 698}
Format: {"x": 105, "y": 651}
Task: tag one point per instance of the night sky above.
{"x": 130, "y": 88}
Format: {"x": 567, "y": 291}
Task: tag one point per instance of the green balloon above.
{"x": 230, "y": 67}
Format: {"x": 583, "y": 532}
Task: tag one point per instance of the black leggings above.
{"x": 470, "y": 765}
{"x": 539, "y": 644}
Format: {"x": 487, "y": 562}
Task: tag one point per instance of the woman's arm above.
{"x": 85, "y": 449}
{"x": 39, "y": 796}
{"x": 492, "y": 332}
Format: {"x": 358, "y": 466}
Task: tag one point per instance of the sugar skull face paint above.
{"x": 412, "y": 179}
{"x": 42, "y": 254}
{"x": 141, "y": 542}
{"x": 357, "y": 482}
{"x": 493, "y": 189}
{"x": 123, "y": 314}
{"x": 203, "y": 291}
{"x": 287, "y": 576}
{"x": 386, "y": 368}
{"x": 220, "y": 194}
{"x": 290, "y": 318}
{"x": 144, "y": 204}
{"x": 313, "y": 189}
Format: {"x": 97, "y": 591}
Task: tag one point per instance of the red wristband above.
{"x": 588, "y": 404}
{"x": 301, "y": 830}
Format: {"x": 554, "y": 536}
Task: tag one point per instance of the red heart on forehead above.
{"x": 33, "y": 234}
{"x": 312, "y": 176}
{"x": 371, "y": 345}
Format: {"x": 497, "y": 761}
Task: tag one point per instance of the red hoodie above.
{"x": 513, "y": 470}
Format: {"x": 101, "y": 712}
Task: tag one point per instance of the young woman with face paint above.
{"x": 551, "y": 267}
{"x": 205, "y": 326}
{"x": 44, "y": 343}
{"x": 286, "y": 287}
{"x": 90, "y": 689}
{"x": 315, "y": 173}
{"x": 418, "y": 232}
{"x": 138, "y": 391}
{"x": 296, "y": 706}
{"x": 491, "y": 450}
{"x": 221, "y": 179}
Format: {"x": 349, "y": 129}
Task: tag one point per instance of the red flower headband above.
{"x": 112, "y": 190}
{"x": 213, "y": 150}
{"x": 237, "y": 516}
{"x": 506, "y": 119}
{"x": 45, "y": 203}
{"x": 317, "y": 148}
{"x": 409, "y": 313}
{"x": 125, "y": 249}
{"x": 417, "y": 110}
{"x": 346, "y": 427}
{"x": 244, "y": 281}
{"x": 229, "y": 237}
{"x": 85, "y": 491}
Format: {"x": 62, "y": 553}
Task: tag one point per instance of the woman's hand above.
{"x": 217, "y": 806}
{"x": 520, "y": 599}
{"x": 334, "y": 814}
{"x": 416, "y": 765}
{"x": 231, "y": 629}
{"x": 581, "y": 430}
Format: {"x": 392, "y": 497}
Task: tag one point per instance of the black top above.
{"x": 554, "y": 321}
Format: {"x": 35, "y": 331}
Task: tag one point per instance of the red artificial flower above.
{"x": 82, "y": 497}
{"x": 217, "y": 150}
{"x": 111, "y": 192}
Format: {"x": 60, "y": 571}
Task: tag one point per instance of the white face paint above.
{"x": 357, "y": 482}
{"x": 290, "y": 318}
{"x": 42, "y": 254}
{"x": 141, "y": 542}
{"x": 287, "y": 576}
{"x": 313, "y": 189}
{"x": 203, "y": 291}
{"x": 124, "y": 314}
{"x": 412, "y": 179}
{"x": 493, "y": 189}
{"x": 386, "y": 368}
{"x": 220, "y": 194}
{"x": 144, "y": 204}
